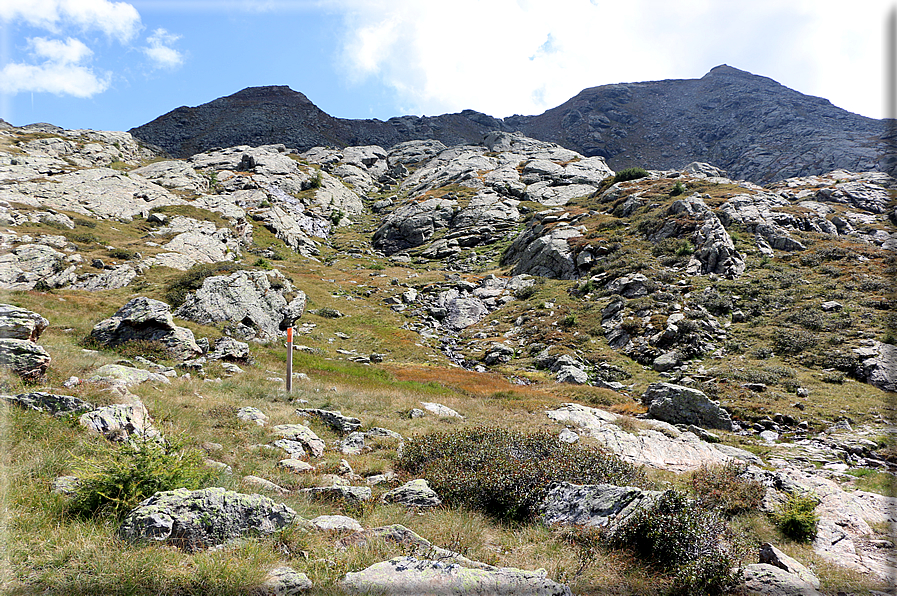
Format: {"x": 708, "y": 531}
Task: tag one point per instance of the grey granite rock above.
{"x": 146, "y": 319}
{"x": 194, "y": 520}
{"x": 410, "y": 576}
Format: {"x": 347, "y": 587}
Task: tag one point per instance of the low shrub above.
{"x": 794, "y": 342}
{"x": 630, "y": 174}
{"x": 122, "y": 253}
{"x": 796, "y": 518}
{"x": 505, "y": 473}
{"x": 680, "y": 535}
{"x": 328, "y": 313}
{"x": 177, "y": 289}
{"x": 569, "y": 321}
{"x": 723, "y": 488}
{"x": 126, "y": 474}
{"x": 679, "y": 247}
{"x": 81, "y": 237}
{"x": 677, "y": 189}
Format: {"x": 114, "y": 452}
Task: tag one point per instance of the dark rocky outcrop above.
{"x": 749, "y": 125}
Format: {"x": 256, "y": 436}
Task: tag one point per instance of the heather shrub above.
{"x": 123, "y": 475}
{"x": 723, "y": 488}
{"x": 505, "y": 473}
{"x": 630, "y": 174}
{"x": 679, "y": 247}
{"x": 796, "y": 518}
{"x": 794, "y": 342}
{"x": 681, "y": 536}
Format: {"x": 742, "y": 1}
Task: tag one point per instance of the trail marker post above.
{"x": 289, "y": 360}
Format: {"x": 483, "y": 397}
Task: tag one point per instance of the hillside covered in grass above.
{"x": 514, "y": 371}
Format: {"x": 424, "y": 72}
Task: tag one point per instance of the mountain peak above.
{"x": 750, "y": 125}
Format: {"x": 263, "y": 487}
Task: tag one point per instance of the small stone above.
{"x": 336, "y": 523}
{"x": 295, "y": 465}
{"x": 285, "y": 581}
{"x": 263, "y": 484}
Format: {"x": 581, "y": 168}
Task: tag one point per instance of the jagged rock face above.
{"x": 749, "y": 125}
{"x": 246, "y": 302}
{"x": 544, "y": 248}
{"x": 714, "y": 250}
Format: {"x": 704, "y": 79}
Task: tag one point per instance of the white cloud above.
{"x": 116, "y": 19}
{"x": 61, "y": 72}
{"x": 70, "y": 51}
{"x": 160, "y": 52}
{"x": 524, "y": 56}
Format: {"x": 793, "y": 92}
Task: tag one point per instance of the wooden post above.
{"x": 289, "y": 360}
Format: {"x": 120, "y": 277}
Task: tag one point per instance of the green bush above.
{"x": 796, "y": 518}
{"x": 679, "y": 247}
{"x": 677, "y": 189}
{"x": 177, "y": 289}
{"x": 723, "y": 488}
{"x": 81, "y": 237}
{"x": 680, "y": 535}
{"x": 630, "y": 174}
{"x": 794, "y": 342}
{"x": 328, "y": 312}
{"x": 316, "y": 180}
{"x": 505, "y": 473}
{"x": 126, "y": 474}
{"x": 122, "y": 253}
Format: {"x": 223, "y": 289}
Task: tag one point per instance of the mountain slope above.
{"x": 749, "y": 125}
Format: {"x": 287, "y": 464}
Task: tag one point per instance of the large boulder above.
{"x": 120, "y": 422}
{"x": 879, "y": 365}
{"x": 303, "y": 435}
{"x": 596, "y": 505}
{"x": 660, "y": 445}
{"x": 413, "y": 224}
{"x": 414, "y": 493}
{"x": 35, "y": 265}
{"x": 544, "y": 248}
{"x": 677, "y": 404}
{"x": 41, "y": 401}
{"x": 18, "y": 323}
{"x": 194, "y": 520}
{"x": 145, "y": 319}
{"x": 252, "y": 304}
{"x": 762, "y": 579}
{"x": 411, "y": 576}
{"x": 24, "y": 357}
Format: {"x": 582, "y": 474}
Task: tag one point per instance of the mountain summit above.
{"x": 752, "y": 126}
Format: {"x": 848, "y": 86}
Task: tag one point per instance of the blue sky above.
{"x": 113, "y": 65}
